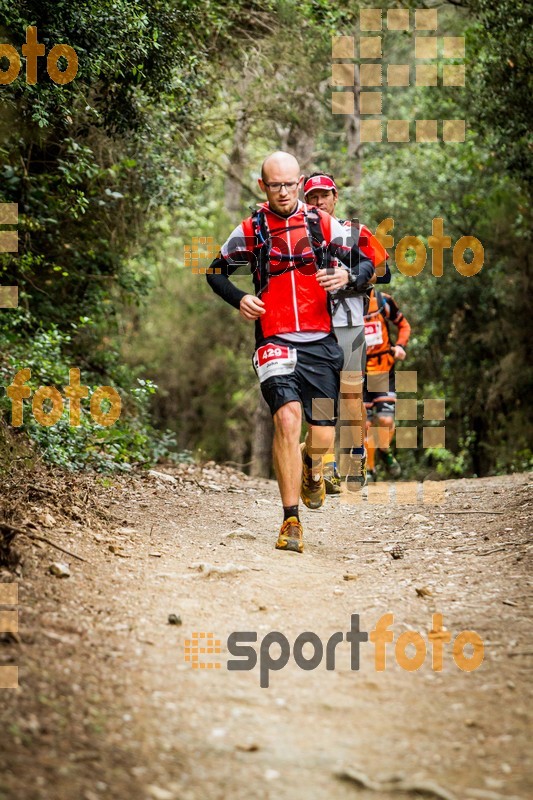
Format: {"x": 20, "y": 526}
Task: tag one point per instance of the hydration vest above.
{"x": 287, "y": 252}
{"x": 379, "y": 357}
{"x": 374, "y": 250}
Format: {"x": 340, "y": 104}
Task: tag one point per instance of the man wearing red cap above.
{"x": 298, "y": 257}
{"x": 321, "y": 192}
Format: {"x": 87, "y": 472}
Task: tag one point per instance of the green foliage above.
{"x": 89, "y": 164}
{"x": 500, "y": 85}
{"x": 198, "y": 351}
{"x": 470, "y": 335}
{"x": 130, "y": 440}
{"x": 159, "y": 139}
{"x": 445, "y": 463}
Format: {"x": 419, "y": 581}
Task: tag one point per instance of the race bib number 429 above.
{"x": 274, "y": 359}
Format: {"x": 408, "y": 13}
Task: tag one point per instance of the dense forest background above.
{"x": 159, "y": 140}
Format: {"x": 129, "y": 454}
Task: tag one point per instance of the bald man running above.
{"x": 297, "y": 256}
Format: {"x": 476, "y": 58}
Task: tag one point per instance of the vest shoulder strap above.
{"x": 255, "y": 226}
{"x": 380, "y": 301}
{"x": 319, "y": 230}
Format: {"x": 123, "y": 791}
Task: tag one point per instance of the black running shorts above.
{"x": 311, "y": 372}
{"x": 381, "y": 402}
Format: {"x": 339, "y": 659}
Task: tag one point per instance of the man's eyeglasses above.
{"x": 277, "y": 187}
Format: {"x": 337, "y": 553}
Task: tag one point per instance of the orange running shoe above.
{"x": 313, "y": 493}
{"x": 291, "y": 536}
{"x": 332, "y": 479}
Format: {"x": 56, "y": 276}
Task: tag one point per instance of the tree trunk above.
{"x": 352, "y": 127}
{"x": 302, "y": 144}
{"x": 236, "y": 165}
{"x": 262, "y": 440}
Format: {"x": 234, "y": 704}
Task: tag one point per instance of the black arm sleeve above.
{"x": 360, "y": 266}
{"x": 218, "y": 279}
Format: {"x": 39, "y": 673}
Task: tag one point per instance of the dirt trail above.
{"x": 109, "y": 708}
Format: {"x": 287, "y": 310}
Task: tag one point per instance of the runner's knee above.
{"x": 288, "y": 420}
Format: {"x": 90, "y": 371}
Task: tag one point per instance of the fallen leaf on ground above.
{"x": 240, "y": 534}
{"x": 59, "y": 569}
{"x": 214, "y": 569}
{"x": 156, "y": 793}
{"x": 162, "y": 476}
{"x": 395, "y": 784}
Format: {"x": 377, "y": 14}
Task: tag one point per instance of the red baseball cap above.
{"x": 319, "y": 182}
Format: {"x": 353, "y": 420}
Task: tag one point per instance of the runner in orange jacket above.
{"x": 381, "y": 356}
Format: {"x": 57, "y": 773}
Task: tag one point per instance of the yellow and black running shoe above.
{"x": 291, "y": 536}
{"x": 356, "y": 477}
{"x": 332, "y": 479}
{"x": 313, "y": 491}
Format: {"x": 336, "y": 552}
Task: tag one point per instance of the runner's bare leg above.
{"x": 286, "y": 452}
{"x": 286, "y": 449}
{"x": 319, "y": 441}
{"x": 352, "y": 395}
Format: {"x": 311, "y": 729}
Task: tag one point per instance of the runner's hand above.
{"x": 251, "y": 307}
{"x": 330, "y": 280}
{"x": 398, "y": 352}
